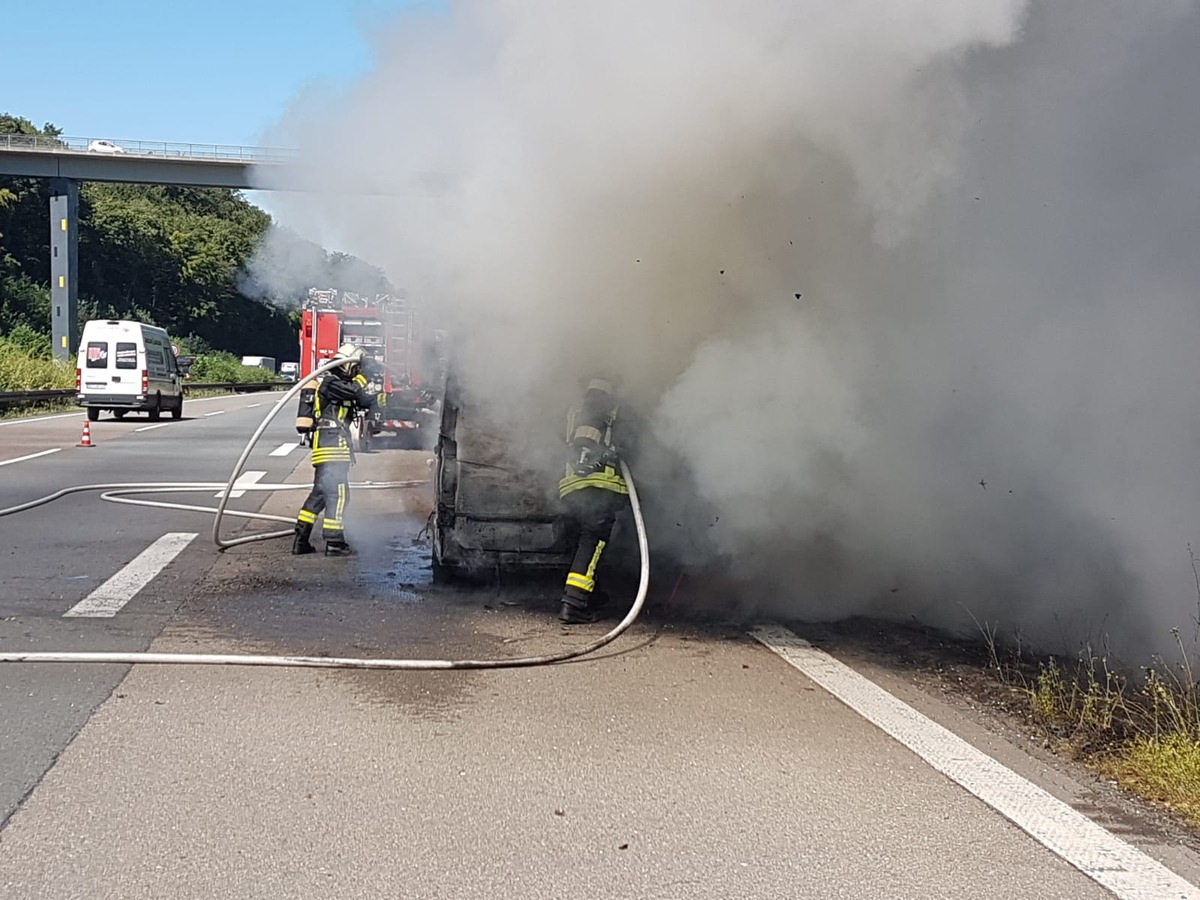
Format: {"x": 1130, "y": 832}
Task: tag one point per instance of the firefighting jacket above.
{"x": 594, "y": 459}
{"x": 336, "y": 403}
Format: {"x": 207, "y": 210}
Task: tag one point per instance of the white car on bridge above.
{"x": 104, "y": 147}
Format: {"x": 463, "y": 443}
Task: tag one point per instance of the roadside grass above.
{"x": 1165, "y": 770}
{"x": 46, "y": 408}
{"x": 23, "y": 371}
{"x": 1141, "y": 729}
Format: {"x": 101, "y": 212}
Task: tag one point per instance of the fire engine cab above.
{"x": 404, "y": 368}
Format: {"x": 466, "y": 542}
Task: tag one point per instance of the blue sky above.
{"x": 211, "y": 71}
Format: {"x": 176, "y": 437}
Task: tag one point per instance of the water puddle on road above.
{"x": 402, "y": 570}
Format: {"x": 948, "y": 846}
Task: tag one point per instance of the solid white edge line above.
{"x": 152, "y": 427}
{"x": 74, "y": 415}
{"x": 40, "y": 418}
{"x": 284, "y": 449}
{"x": 108, "y": 599}
{"x": 9, "y": 462}
{"x": 186, "y": 399}
{"x": 1113, "y": 863}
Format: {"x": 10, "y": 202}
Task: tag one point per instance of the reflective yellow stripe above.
{"x": 332, "y": 525}
{"x": 307, "y": 517}
{"x": 341, "y": 502}
{"x": 572, "y": 483}
{"x": 587, "y": 582}
{"x": 591, "y": 571}
{"x": 581, "y": 581}
{"x": 334, "y": 454}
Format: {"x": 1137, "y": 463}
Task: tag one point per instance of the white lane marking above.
{"x": 1111, "y": 862}
{"x": 253, "y": 405}
{"x": 227, "y": 396}
{"x": 246, "y": 478}
{"x": 106, "y": 601}
{"x": 9, "y": 462}
{"x": 152, "y": 427}
{"x": 284, "y": 449}
{"x": 40, "y": 419}
{"x": 219, "y": 412}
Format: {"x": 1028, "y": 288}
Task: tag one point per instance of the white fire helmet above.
{"x": 352, "y": 355}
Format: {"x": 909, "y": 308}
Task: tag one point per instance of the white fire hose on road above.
{"x": 121, "y": 493}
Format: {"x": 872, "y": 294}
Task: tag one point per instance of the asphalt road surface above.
{"x": 684, "y": 760}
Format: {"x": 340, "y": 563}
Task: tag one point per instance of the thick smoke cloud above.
{"x": 907, "y": 292}
{"x": 286, "y": 265}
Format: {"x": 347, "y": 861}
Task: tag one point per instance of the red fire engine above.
{"x": 404, "y": 368}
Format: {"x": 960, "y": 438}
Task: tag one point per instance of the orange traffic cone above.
{"x": 86, "y": 440}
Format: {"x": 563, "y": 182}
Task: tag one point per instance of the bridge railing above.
{"x": 159, "y": 149}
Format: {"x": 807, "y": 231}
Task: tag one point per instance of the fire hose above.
{"x": 120, "y": 493}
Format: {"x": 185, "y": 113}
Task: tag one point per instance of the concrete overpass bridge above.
{"x": 67, "y": 161}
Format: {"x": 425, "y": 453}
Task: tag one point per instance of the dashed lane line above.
{"x": 284, "y": 449}
{"x": 9, "y": 462}
{"x": 216, "y": 412}
{"x": 1111, "y": 862}
{"x": 108, "y": 599}
{"x": 225, "y": 397}
{"x": 244, "y": 480}
{"x": 152, "y": 427}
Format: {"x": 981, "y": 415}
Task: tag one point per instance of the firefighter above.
{"x": 339, "y": 396}
{"x": 593, "y": 491}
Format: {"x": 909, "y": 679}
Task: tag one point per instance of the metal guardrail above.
{"x": 19, "y": 399}
{"x": 154, "y": 149}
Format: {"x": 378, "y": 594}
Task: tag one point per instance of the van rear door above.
{"x": 95, "y": 365}
{"x": 125, "y": 373}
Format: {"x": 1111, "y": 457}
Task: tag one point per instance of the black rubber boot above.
{"x": 300, "y": 544}
{"x": 575, "y": 612}
{"x": 339, "y": 548}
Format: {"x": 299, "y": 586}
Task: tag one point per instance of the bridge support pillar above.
{"x": 64, "y": 266}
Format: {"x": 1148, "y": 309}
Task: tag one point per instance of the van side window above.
{"x": 126, "y": 356}
{"x": 97, "y": 355}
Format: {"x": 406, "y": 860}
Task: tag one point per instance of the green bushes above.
{"x": 219, "y": 367}
{"x": 25, "y": 366}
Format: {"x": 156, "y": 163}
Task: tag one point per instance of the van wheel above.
{"x": 118, "y": 413}
{"x": 93, "y": 413}
{"x": 156, "y": 410}
{"x": 177, "y": 410}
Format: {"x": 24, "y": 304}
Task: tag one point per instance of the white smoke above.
{"x": 908, "y": 287}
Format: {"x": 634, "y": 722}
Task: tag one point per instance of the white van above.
{"x": 127, "y": 365}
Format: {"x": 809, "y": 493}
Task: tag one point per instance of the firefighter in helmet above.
{"x": 339, "y": 395}
{"x": 593, "y": 491}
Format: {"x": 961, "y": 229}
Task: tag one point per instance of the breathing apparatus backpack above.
{"x": 591, "y": 448}
{"x": 306, "y": 414}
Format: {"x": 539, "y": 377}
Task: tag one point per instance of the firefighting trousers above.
{"x": 330, "y": 495}
{"x": 593, "y": 512}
